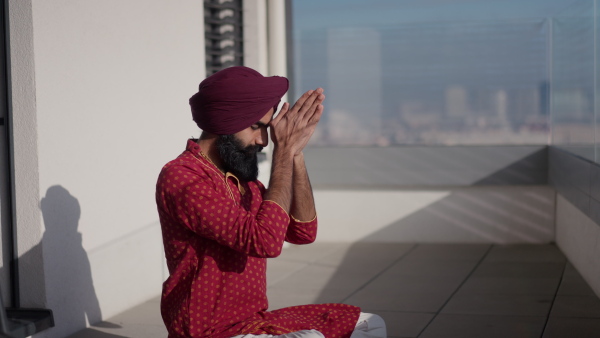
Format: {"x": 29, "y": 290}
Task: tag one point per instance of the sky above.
{"x": 319, "y": 14}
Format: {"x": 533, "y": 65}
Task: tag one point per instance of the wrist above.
{"x": 299, "y": 157}
{"x": 284, "y": 152}
{"x": 283, "y": 155}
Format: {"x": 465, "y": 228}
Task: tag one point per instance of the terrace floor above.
{"x": 421, "y": 290}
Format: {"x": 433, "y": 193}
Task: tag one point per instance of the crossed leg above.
{"x": 368, "y": 326}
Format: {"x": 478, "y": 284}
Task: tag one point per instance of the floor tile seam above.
{"x": 437, "y": 313}
{"x": 346, "y": 270}
{"x": 562, "y": 295}
{"x": 414, "y": 275}
{"x": 489, "y": 315}
{"x": 375, "y": 310}
{"x": 583, "y": 317}
{"x": 554, "y": 300}
{"x": 321, "y": 263}
{"x": 505, "y": 294}
{"x": 381, "y": 272}
{"x": 524, "y": 262}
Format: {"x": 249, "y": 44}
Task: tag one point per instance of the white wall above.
{"x": 578, "y": 237}
{"x": 100, "y": 91}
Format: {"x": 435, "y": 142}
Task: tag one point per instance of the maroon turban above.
{"x": 235, "y": 98}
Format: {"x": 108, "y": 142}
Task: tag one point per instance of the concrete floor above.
{"x": 421, "y": 290}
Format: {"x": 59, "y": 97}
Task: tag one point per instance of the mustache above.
{"x": 252, "y": 150}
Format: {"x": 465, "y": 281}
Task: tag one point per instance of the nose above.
{"x": 262, "y": 138}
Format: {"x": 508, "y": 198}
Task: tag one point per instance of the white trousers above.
{"x": 368, "y": 326}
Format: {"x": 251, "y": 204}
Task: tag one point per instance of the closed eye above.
{"x": 258, "y": 125}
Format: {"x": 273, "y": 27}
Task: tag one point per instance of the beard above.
{"x": 240, "y": 160}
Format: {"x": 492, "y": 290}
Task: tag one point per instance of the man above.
{"x": 219, "y": 223}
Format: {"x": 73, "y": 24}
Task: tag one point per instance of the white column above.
{"x": 276, "y": 61}
{"x": 255, "y": 36}
{"x": 25, "y": 154}
{"x": 276, "y": 36}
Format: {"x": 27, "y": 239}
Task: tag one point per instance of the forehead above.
{"x": 268, "y": 116}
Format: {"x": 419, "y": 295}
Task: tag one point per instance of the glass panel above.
{"x": 573, "y": 99}
{"x": 395, "y": 72}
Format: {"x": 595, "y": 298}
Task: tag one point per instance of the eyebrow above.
{"x": 261, "y": 124}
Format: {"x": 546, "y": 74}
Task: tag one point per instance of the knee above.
{"x": 316, "y": 334}
{"x": 370, "y": 325}
{"x": 375, "y": 321}
{"x": 313, "y": 334}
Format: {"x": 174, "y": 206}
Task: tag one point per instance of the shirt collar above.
{"x": 193, "y": 147}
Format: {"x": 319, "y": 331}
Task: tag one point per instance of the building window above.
{"x": 223, "y": 34}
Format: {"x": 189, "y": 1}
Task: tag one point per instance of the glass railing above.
{"x": 452, "y": 73}
{"x": 452, "y": 81}
{"x": 574, "y": 79}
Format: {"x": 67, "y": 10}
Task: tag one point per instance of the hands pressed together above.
{"x": 289, "y": 185}
{"x": 292, "y": 128}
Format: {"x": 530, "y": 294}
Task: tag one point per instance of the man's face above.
{"x": 239, "y": 151}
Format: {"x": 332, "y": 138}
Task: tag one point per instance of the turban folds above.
{"x": 235, "y": 98}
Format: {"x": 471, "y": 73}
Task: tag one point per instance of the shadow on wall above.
{"x": 485, "y": 195}
{"x": 499, "y": 215}
{"x": 487, "y": 212}
{"x": 69, "y": 284}
{"x": 424, "y": 166}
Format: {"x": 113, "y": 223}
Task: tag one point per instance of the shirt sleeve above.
{"x": 298, "y": 232}
{"x": 301, "y": 232}
{"x": 191, "y": 198}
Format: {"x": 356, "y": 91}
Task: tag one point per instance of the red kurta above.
{"x": 217, "y": 234}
